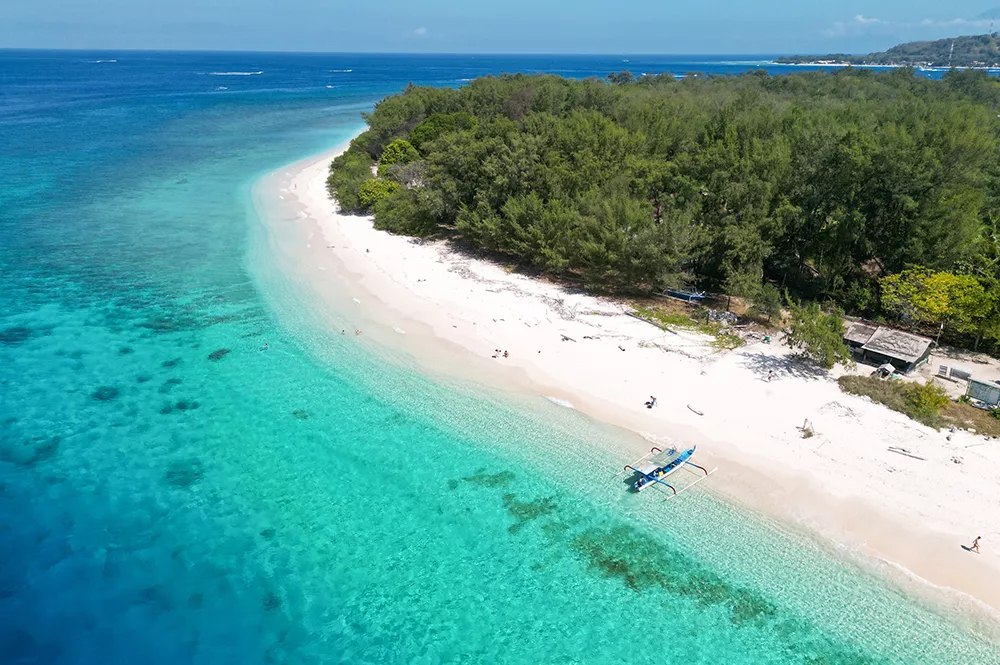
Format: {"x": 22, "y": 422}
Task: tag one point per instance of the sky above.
{"x": 500, "y": 26}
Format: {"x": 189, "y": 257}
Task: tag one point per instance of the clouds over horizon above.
{"x": 862, "y": 24}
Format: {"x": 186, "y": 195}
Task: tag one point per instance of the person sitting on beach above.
{"x": 506, "y": 355}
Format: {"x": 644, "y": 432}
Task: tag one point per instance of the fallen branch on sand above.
{"x": 904, "y": 451}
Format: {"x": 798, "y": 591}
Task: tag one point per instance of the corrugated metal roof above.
{"x": 860, "y": 333}
{"x": 897, "y": 344}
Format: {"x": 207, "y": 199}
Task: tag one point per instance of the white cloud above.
{"x": 956, "y": 22}
{"x": 864, "y": 19}
{"x": 420, "y": 32}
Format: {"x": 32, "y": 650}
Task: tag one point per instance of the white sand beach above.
{"x": 909, "y": 514}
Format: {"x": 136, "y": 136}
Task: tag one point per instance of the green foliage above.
{"x": 818, "y": 335}
{"x": 408, "y": 212}
{"x": 399, "y": 151}
{"x": 921, "y": 402}
{"x": 767, "y": 302}
{"x": 926, "y": 296}
{"x": 347, "y": 173}
{"x": 374, "y": 190}
{"x": 439, "y": 124}
{"x": 822, "y": 182}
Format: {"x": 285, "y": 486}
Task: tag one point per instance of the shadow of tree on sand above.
{"x": 762, "y": 364}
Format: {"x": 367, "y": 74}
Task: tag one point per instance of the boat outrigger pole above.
{"x": 649, "y": 476}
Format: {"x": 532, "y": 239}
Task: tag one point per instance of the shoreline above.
{"x": 445, "y": 312}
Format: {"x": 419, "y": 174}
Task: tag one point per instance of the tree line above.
{"x": 837, "y": 187}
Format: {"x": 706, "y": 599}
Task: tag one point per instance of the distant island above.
{"x": 974, "y": 51}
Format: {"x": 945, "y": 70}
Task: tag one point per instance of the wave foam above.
{"x": 560, "y": 402}
{"x": 341, "y": 71}
{"x": 234, "y": 73}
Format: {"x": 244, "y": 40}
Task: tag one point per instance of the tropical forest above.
{"x": 876, "y": 193}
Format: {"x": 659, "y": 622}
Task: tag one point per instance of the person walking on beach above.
{"x": 770, "y": 375}
{"x": 975, "y": 545}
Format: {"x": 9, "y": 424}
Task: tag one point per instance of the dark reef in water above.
{"x": 218, "y": 354}
{"x": 126, "y": 350}
{"x": 15, "y": 336}
{"x": 301, "y": 414}
{"x": 174, "y": 362}
{"x": 642, "y": 564}
{"x": 169, "y": 384}
{"x": 29, "y": 453}
{"x": 502, "y": 479}
{"x": 271, "y": 601}
{"x": 526, "y": 511}
{"x": 105, "y": 393}
{"x": 267, "y": 534}
{"x": 184, "y": 473}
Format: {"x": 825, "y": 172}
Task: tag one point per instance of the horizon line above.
{"x": 399, "y": 53}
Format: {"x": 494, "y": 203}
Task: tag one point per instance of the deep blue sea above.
{"x": 170, "y": 493}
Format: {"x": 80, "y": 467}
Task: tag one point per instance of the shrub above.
{"x": 926, "y": 399}
{"x": 374, "y": 190}
{"x": 921, "y": 402}
{"x": 818, "y": 335}
{"x": 399, "y": 151}
{"x": 347, "y": 174}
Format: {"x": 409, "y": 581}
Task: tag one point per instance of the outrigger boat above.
{"x": 653, "y": 469}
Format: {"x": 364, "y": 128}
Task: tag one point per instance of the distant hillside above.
{"x": 969, "y": 51}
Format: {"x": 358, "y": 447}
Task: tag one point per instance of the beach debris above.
{"x": 218, "y": 354}
{"x": 807, "y": 431}
{"x": 356, "y": 300}
{"x": 566, "y": 338}
{"x": 956, "y": 460}
{"x": 700, "y": 413}
{"x": 903, "y": 451}
{"x": 621, "y": 348}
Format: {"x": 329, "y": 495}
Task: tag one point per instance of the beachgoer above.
{"x": 652, "y": 400}
{"x": 975, "y": 545}
{"x": 343, "y": 332}
{"x": 265, "y": 347}
{"x": 357, "y": 332}
{"x": 770, "y": 375}
{"x": 506, "y": 355}
{"x": 621, "y": 347}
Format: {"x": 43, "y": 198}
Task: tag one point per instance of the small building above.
{"x": 878, "y": 345}
{"x": 987, "y": 393}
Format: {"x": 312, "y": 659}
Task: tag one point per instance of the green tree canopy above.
{"x": 817, "y": 335}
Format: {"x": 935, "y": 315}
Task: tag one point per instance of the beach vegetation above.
{"x": 374, "y": 190}
{"x": 935, "y": 297}
{"x": 766, "y": 303}
{"x": 818, "y": 335}
{"x": 348, "y": 173}
{"x": 828, "y": 184}
{"x": 399, "y": 151}
{"x": 922, "y": 402}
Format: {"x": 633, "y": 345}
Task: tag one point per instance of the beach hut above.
{"x": 987, "y": 393}
{"x": 878, "y": 345}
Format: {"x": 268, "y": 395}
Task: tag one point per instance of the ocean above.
{"x": 171, "y": 491}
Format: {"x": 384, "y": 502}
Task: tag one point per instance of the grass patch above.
{"x": 725, "y": 340}
{"x": 967, "y": 416}
{"x": 925, "y": 403}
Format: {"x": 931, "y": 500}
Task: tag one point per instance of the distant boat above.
{"x": 687, "y": 296}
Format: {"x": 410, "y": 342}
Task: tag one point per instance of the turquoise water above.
{"x": 170, "y": 493}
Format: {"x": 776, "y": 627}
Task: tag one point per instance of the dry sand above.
{"x": 450, "y": 311}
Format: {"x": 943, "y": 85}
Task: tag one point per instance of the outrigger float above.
{"x": 653, "y": 468}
